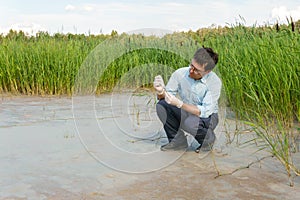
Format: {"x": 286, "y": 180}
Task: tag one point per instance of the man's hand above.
{"x": 159, "y": 85}
{"x": 171, "y": 99}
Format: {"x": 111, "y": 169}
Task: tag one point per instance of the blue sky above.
{"x": 96, "y": 16}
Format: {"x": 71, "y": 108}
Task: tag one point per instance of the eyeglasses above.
{"x": 197, "y": 71}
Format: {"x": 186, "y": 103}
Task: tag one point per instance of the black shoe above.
{"x": 206, "y": 148}
{"x": 174, "y": 146}
{"x": 198, "y": 149}
{"x": 203, "y": 152}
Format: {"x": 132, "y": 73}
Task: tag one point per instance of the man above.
{"x": 195, "y": 111}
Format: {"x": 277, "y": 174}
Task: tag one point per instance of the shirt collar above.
{"x": 204, "y": 78}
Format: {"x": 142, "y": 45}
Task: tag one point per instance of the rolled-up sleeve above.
{"x": 175, "y": 80}
{"x": 172, "y": 86}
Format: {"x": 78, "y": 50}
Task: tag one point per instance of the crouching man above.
{"x": 189, "y": 102}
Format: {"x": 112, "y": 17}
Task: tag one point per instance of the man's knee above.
{"x": 210, "y": 136}
{"x": 161, "y": 110}
{"x": 162, "y": 102}
{"x": 214, "y": 120}
{"x": 191, "y": 124}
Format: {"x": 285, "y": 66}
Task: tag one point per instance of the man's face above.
{"x": 197, "y": 71}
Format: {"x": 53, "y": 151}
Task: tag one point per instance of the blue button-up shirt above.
{"x": 203, "y": 93}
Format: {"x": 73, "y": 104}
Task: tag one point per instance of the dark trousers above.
{"x": 176, "y": 120}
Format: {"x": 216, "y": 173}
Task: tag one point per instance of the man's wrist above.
{"x": 180, "y": 104}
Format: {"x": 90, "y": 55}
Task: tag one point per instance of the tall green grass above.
{"x": 117, "y": 56}
{"x": 42, "y": 65}
{"x": 259, "y": 66}
{"x": 260, "y": 70}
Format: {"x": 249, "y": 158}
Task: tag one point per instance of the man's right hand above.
{"x": 159, "y": 85}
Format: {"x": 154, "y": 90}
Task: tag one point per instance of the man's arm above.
{"x": 171, "y": 99}
{"x": 191, "y": 109}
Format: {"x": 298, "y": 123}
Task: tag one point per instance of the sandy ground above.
{"x": 108, "y": 148}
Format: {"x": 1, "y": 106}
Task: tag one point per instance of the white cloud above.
{"x": 29, "y": 29}
{"x": 70, "y": 7}
{"x": 84, "y": 7}
{"x": 282, "y": 12}
{"x": 88, "y": 8}
{"x": 108, "y": 7}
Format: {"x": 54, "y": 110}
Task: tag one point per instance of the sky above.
{"x": 103, "y": 16}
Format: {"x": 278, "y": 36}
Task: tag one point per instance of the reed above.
{"x": 42, "y": 65}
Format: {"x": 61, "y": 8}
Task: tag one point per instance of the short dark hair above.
{"x": 206, "y": 55}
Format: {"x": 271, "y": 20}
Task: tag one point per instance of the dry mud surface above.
{"x": 107, "y": 147}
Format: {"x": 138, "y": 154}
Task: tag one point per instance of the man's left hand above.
{"x": 171, "y": 99}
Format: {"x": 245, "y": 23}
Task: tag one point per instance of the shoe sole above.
{"x": 174, "y": 149}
